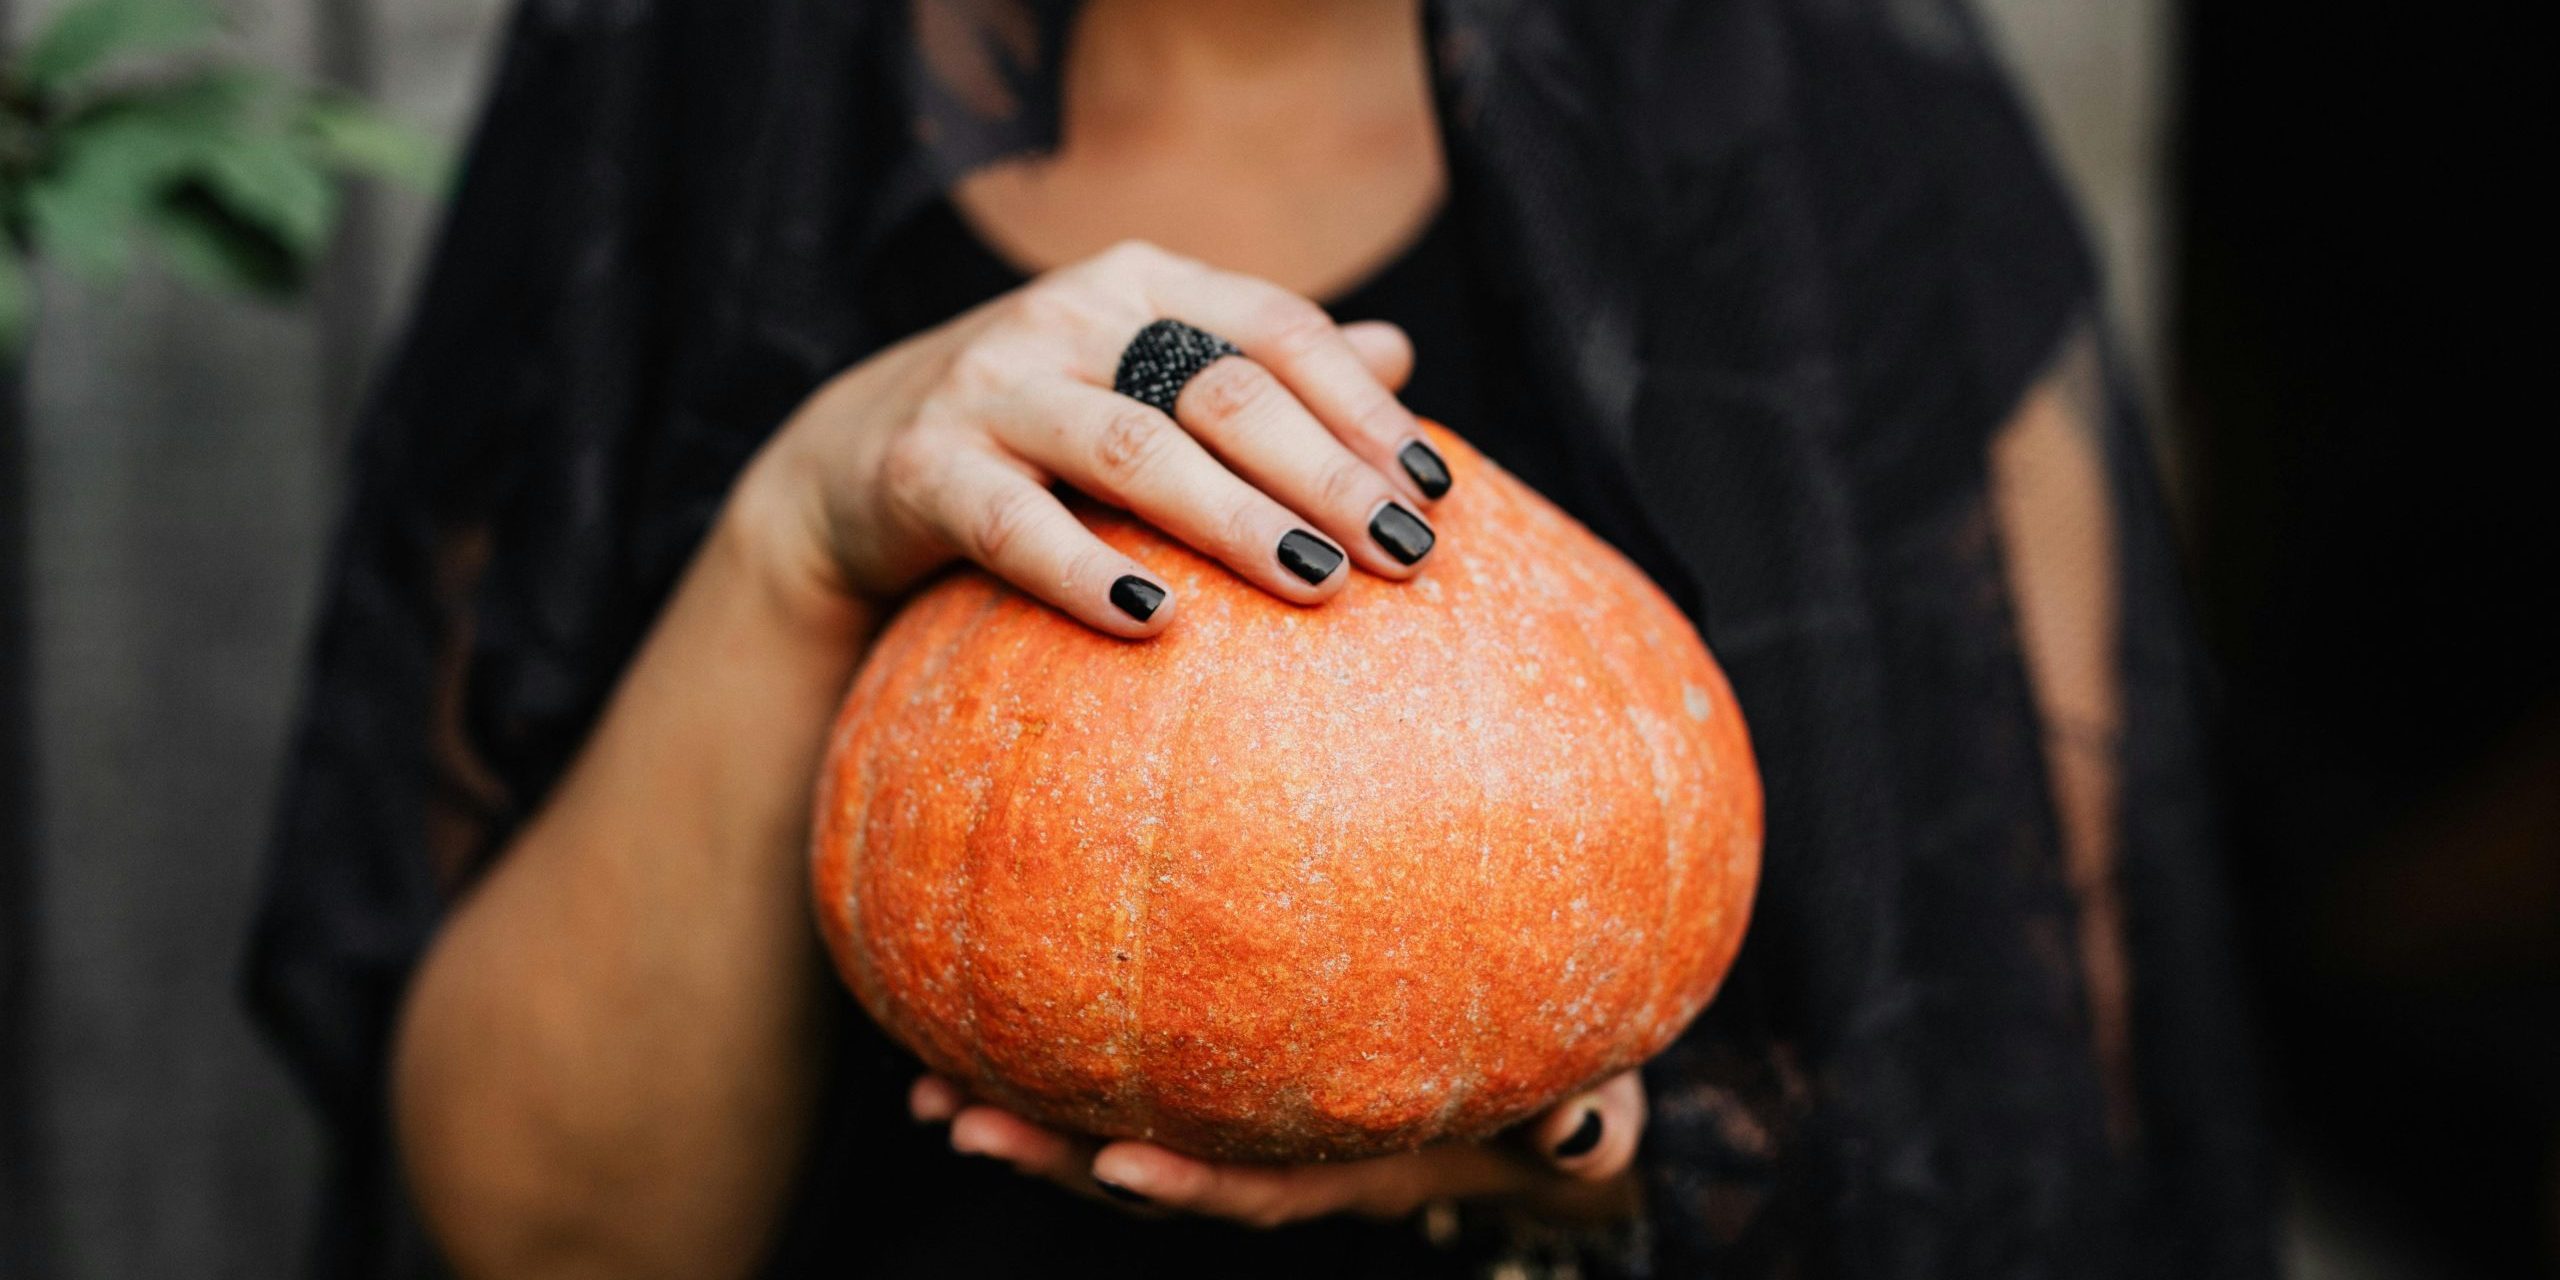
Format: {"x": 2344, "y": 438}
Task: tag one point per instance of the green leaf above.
{"x": 203, "y": 104}
{"x": 208, "y": 244}
{"x": 17, "y": 302}
{"x": 88, "y": 34}
{"x": 356, "y": 139}
{"x": 104, "y": 179}
{"x": 276, "y": 185}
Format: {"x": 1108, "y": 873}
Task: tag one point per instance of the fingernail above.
{"x": 1137, "y": 597}
{"x": 1121, "y": 1193}
{"x": 1430, "y": 473}
{"x": 1583, "y": 1139}
{"x": 1401, "y": 532}
{"x": 1308, "y": 556}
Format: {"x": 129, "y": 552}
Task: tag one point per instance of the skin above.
{"x": 611, "y": 1054}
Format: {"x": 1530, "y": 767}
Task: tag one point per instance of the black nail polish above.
{"x": 1308, "y": 556}
{"x": 1401, "y": 532}
{"x": 1584, "y": 1138}
{"x": 1137, "y": 597}
{"x": 1121, "y": 1193}
{"x": 1430, "y": 473}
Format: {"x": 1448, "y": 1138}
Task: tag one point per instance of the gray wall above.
{"x": 183, "y": 458}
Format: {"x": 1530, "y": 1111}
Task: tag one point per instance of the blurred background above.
{"x": 2312, "y": 226}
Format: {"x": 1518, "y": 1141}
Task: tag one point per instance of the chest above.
{"x": 1314, "y": 209}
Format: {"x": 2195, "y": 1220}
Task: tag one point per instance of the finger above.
{"x": 995, "y": 514}
{"x": 1256, "y": 1195}
{"x": 1593, "y": 1136}
{"x": 1301, "y": 345}
{"x": 1258, "y": 425}
{"x": 1032, "y": 1150}
{"x": 932, "y": 1099}
{"x": 1384, "y": 348}
{"x": 1274, "y": 1195}
{"x": 1126, "y": 453}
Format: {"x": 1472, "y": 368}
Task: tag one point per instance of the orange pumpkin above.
{"x": 1295, "y": 883}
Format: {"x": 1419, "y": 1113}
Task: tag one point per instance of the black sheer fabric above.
{"x": 1777, "y": 271}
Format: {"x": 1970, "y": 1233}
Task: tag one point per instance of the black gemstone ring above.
{"x": 1163, "y": 358}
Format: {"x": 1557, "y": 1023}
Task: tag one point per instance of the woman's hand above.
{"x": 947, "y": 444}
{"x": 1567, "y": 1163}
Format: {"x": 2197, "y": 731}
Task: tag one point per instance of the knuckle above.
{"x": 999, "y": 526}
{"x": 1229, "y": 390}
{"x": 1051, "y": 307}
{"x": 910, "y": 467}
{"x": 1240, "y": 531}
{"x": 1267, "y": 1215}
{"x": 1132, "y": 255}
{"x": 1292, "y": 326}
{"x": 1094, "y": 567}
{"x": 981, "y": 366}
{"x": 1129, "y": 442}
{"x": 1347, "y": 485}
{"x": 1378, "y": 419}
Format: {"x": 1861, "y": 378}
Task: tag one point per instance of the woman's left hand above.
{"x": 1567, "y": 1163}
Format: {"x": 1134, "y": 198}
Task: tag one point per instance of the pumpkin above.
{"x": 1290, "y": 883}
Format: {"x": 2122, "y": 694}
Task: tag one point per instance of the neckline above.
{"x": 1423, "y": 232}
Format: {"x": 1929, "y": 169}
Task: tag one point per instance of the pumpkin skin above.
{"x": 1295, "y": 884}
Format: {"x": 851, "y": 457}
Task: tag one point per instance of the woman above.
{"x": 751, "y": 316}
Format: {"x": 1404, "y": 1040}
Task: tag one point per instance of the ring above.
{"x": 1163, "y": 358}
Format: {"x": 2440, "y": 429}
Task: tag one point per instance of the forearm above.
{"x": 609, "y": 1055}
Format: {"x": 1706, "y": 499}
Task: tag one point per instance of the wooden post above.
{"x": 22, "y": 1174}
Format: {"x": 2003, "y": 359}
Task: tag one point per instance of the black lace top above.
{"x": 1771, "y": 275}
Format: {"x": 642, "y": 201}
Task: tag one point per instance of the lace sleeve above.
{"x": 466, "y": 803}
{"x": 2056, "y": 516}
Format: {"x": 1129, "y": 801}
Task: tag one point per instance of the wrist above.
{"x": 771, "y": 537}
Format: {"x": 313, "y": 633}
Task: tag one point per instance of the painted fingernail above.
{"x": 1121, "y": 1193}
{"x": 1430, "y": 473}
{"x": 1137, "y": 597}
{"x": 1583, "y": 1139}
{"x": 1308, "y": 556}
{"x": 1401, "y": 532}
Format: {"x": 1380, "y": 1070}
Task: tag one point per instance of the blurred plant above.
{"x": 231, "y": 175}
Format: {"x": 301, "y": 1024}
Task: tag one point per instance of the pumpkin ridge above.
{"x": 1141, "y": 1100}
{"x": 1658, "y": 768}
{"x": 1637, "y": 594}
{"x": 853, "y": 825}
{"x": 866, "y": 970}
{"x": 1469, "y": 1085}
{"x": 1466, "y": 1079}
{"x": 887, "y": 713}
{"x": 939, "y": 661}
{"x": 972, "y": 848}
{"x": 1617, "y": 694}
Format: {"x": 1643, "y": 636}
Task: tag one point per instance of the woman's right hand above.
{"x": 946, "y": 444}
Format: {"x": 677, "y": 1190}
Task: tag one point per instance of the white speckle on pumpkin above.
{"x": 1695, "y": 699}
